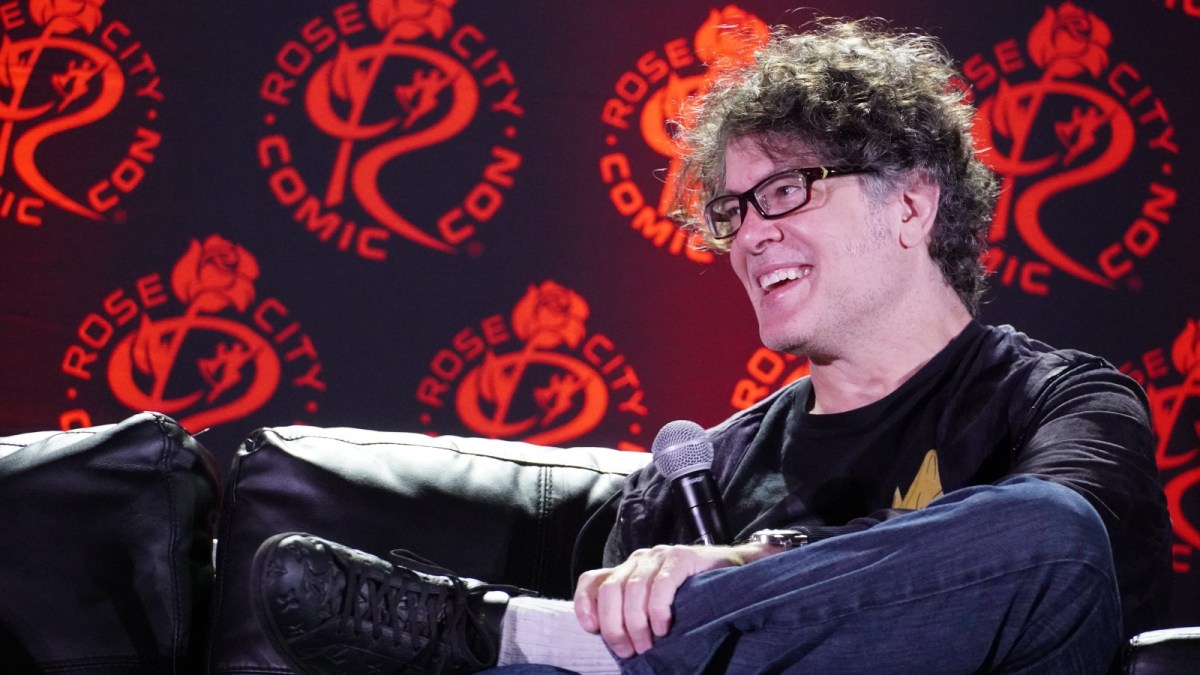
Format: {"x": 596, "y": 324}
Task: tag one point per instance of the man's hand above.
{"x": 630, "y": 604}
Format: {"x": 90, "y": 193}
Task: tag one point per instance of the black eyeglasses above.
{"x": 773, "y": 197}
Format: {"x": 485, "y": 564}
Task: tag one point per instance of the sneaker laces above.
{"x": 463, "y": 593}
{"x": 421, "y": 601}
{"x": 413, "y": 561}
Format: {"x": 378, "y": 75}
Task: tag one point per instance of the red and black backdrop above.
{"x": 446, "y": 216}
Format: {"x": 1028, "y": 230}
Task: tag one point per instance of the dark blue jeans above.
{"x": 1013, "y": 578}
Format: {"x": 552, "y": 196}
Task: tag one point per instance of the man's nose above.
{"x": 756, "y": 230}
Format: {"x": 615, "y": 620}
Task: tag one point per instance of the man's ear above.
{"x": 918, "y": 205}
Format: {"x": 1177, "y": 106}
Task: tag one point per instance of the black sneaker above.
{"x": 330, "y": 609}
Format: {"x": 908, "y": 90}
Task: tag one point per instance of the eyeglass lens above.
{"x": 775, "y": 196}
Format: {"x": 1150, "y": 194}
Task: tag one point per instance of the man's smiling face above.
{"x": 819, "y": 276}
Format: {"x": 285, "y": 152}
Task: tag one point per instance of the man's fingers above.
{"x": 610, "y": 612}
{"x": 586, "y": 591}
{"x": 630, "y": 604}
{"x": 662, "y": 596}
{"x": 637, "y": 623}
{"x": 649, "y": 593}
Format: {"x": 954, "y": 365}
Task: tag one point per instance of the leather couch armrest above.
{"x": 107, "y": 535}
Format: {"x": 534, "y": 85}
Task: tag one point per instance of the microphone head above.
{"x": 682, "y": 447}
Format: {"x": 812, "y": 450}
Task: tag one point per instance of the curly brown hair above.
{"x": 855, "y": 94}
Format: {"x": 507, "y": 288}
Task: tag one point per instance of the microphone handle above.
{"x": 701, "y": 500}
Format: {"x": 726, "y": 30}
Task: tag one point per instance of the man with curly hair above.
{"x": 938, "y": 495}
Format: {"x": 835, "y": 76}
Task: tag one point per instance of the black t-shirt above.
{"x": 993, "y": 403}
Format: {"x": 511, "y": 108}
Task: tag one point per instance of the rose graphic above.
{"x": 56, "y": 17}
{"x": 1185, "y": 352}
{"x": 545, "y": 317}
{"x": 210, "y": 277}
{"x": 240, "y": 373}
{"x": 729, "y": 38}
{"x": 410, "y": 19}
{"x": 65, "y": 16}
{"x": 550, "y": 315}
{"x": 1068, "y": 40}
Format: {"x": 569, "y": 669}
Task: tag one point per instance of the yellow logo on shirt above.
{"x": 926, "y": 487}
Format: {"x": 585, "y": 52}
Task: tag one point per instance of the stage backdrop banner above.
{"x": 449, "y": 217}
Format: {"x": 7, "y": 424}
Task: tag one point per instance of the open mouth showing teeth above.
{"x": 777, "y": 278}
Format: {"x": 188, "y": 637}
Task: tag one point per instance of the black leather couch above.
{"x": 105, "y": 549}
{"x": 107, "y": 534}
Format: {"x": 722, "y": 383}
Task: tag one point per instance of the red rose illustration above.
{"x": 1068, "y": 40}
{"x": 729, "y": 38}
{"x": 212, "y": 276}
{"x": 550, "y": 315}
{"x": 1185, "y": 353}
{"x": 410, "y": 19}
{"x": 65, "y": 16}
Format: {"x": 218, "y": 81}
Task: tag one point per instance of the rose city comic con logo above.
{"x": 1063, "y": 124}
{"x": 354, "y": 100}
{"x": 637, "y": 114}
{"x": 70, "y": 77}
{"x": 1172, "y": 384}
{"x": 199, "y": 346}
{"x": 538, "y": 376}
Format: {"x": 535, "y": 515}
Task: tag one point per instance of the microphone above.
{"x": 684, "y": 455}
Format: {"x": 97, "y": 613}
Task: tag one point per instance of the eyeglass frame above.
{"x": 811, "y": 174}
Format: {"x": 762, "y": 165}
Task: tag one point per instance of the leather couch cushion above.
{"x": 107, "y": 536}
{"x": 501, "y": 511}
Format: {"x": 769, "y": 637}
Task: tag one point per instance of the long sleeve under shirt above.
{"x": 993, "y": 403}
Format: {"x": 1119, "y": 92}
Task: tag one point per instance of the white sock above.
{"x": 544, "y": 631}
